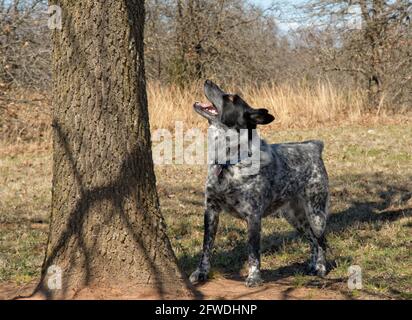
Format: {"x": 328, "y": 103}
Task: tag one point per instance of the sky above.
{"x": 289, "y": 18}
{"x": 284, "y": 23}
{"x": 265, "y": 3}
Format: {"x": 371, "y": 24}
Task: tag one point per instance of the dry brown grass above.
{"x": 25, "y": 115}
{"x": 301, "y": 106}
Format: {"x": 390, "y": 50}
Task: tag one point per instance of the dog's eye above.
{"x": 233, "y": 97}
{"x": 230, "y": 97}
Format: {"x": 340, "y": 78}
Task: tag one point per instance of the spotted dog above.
{"x": 291, "y": 181}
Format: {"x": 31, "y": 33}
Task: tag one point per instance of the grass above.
{"x": 313, "y": 105}
{"x": 25, "y": 201}
{"x": 25, "y": 114}
{"x": 370, "y": 168}
{"x": 370, "y": 225}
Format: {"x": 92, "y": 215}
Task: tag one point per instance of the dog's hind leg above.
{"x": 211, "y": 221}
{"x": 299, "y": 216}
{"x": 316, "y": 209}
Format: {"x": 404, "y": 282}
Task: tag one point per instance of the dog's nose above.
{"x": 208, "y": 82}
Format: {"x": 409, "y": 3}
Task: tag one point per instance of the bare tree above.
{"x": 24, "y": 43}
{"x": 229, "y": 40}
{"x": 369, "y": 39}
{"x": 106, "y": 229}
{"x": 358, "y": 44}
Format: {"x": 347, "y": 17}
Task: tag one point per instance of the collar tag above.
{"x": 218, "y": 170}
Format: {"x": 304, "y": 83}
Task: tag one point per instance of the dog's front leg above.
{"x": 254, "y": 226}
{"x": 211, "y": 220}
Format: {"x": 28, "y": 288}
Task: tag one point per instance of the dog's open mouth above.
{"x": 206, "y": 107}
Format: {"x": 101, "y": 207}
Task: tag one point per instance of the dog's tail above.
{"x": 319, "y": 144}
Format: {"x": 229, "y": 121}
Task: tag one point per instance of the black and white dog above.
{"x": 291, "y": 179}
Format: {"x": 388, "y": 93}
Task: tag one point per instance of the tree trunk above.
{"x": 106, "y": 229}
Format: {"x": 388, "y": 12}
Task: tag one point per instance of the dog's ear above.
{"x": 259, "y": 116}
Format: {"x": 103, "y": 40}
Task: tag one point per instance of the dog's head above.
{"x": 230, "y": 110}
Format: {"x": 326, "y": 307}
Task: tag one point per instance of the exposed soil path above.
{"x": 222, "y": 288}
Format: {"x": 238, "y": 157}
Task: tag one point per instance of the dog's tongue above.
{"x": 205, "y": 105}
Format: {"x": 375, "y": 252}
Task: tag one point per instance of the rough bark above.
{"x": 106, "y": 229}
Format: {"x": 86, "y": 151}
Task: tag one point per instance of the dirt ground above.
{"x": 221, "y": 289}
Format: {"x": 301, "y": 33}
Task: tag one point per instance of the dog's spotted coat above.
{"x": 292, "y": 180}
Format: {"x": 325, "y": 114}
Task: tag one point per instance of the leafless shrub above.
{"x": 228, "y": 40}
{"x": 357, "y": 45}
{"x": 367, "y": 43}
{"x": 24, "y": 43}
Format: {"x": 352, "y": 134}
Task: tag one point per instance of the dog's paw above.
{"x": 317, "y": 270}
{"x": 253, "y": 281}
{"x": 320, "y": 270}
{"x": 198, "y": 276}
